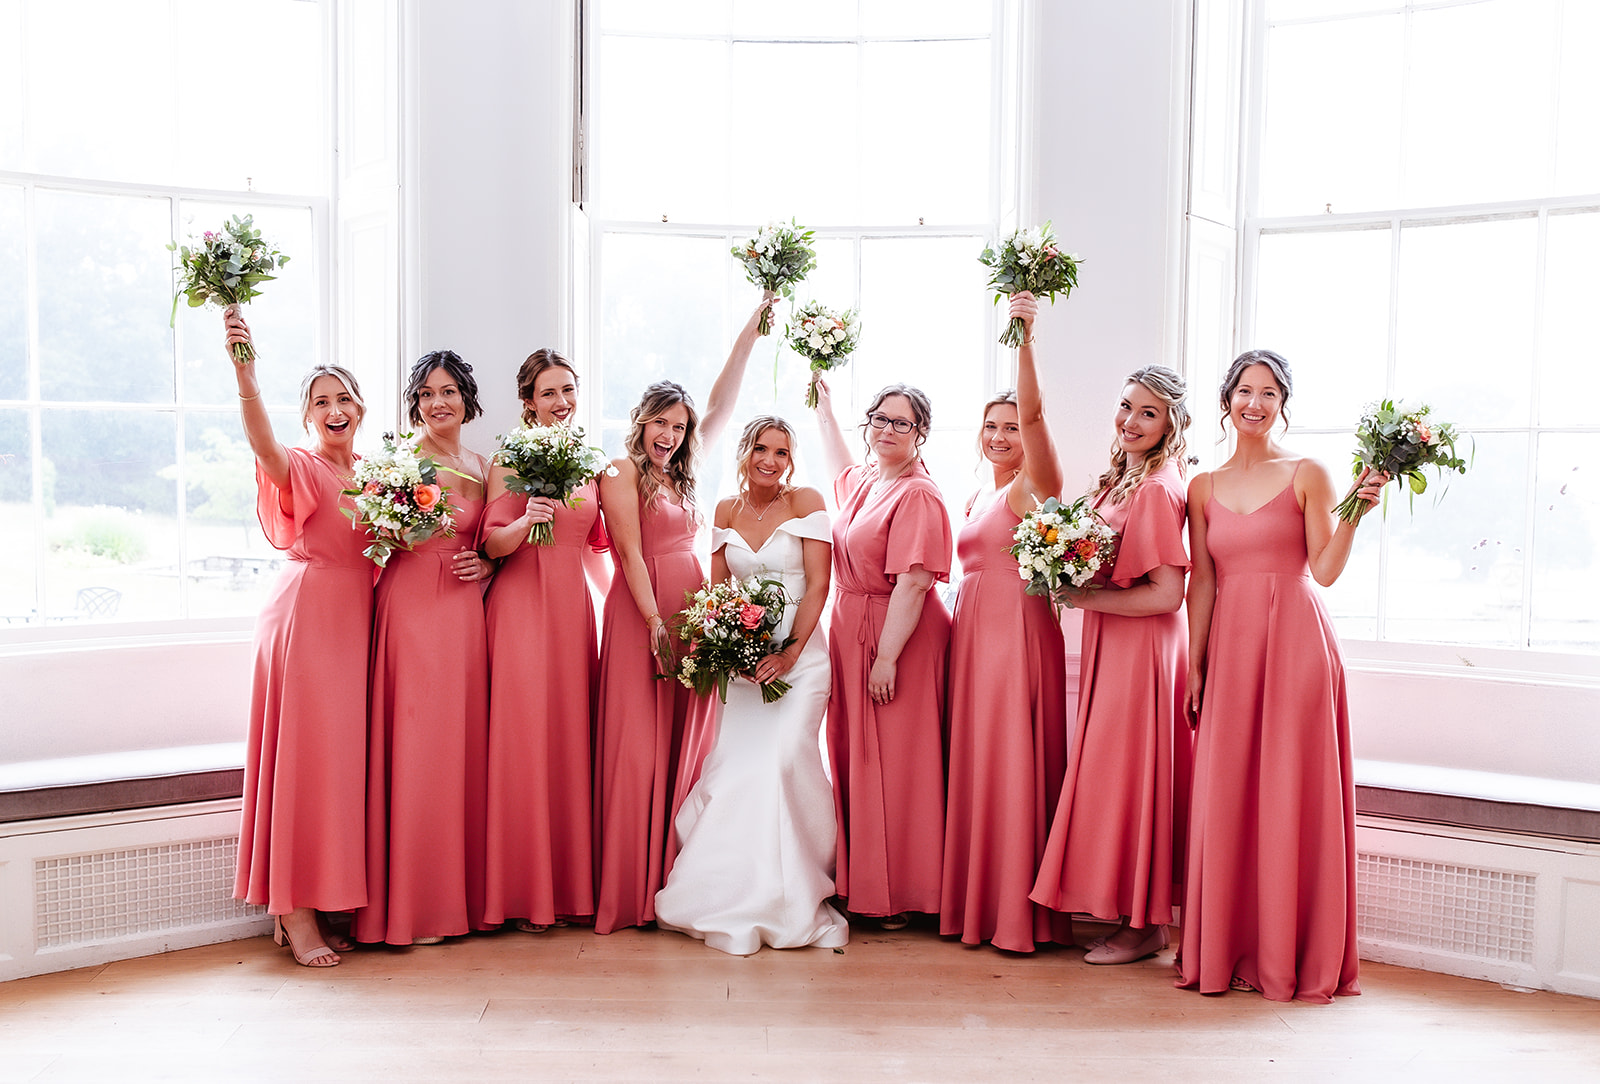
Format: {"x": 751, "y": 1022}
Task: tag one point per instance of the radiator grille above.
{"x": 89, "y": 898}
{"x": 1484, "y": 913}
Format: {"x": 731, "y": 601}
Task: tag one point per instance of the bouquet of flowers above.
{"x": 1062, "y": 545}
{"x": 775, "y": 259}
{"x": 548, "y": 461}
{"x": 398, "y": 498}
{"x": 824, "y": 338}
{"x": 224, "y": 267}
{"x": 729, "y": 627}
{"x": 1030, "y": 260}
{"x": 1399, "y": 439}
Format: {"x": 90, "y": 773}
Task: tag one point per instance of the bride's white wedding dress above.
{"x": 757, "y": 830}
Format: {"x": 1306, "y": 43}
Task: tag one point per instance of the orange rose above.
{"x": 426, "y": 496}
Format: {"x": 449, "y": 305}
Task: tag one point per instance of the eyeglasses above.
{"x": 883, "y": 421}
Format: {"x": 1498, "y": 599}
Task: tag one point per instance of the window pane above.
{"x": 1456, "y": 567}
{"x": 273, "y": 142}
{"x": 654, "y": 17}
{"x": 925, "y": 110}
{"x": 1566, "y": 544}
{"x": 229, "y": 564}
{"x": 1466, "y": 319}
{"x": 661, "y": 314}
{"x": 18, "y": 587}
{"x": 105, "y": 290}
{"x": 813, "y": 19}
{"x": 13, "y": 297}
{"x": 1471, "y": 139}
{"x": 1323, "y": 303}
{"x": 283, "y": 320}
{"x": 662, "y": 129}
{"x": 928, "y": 326}
{"x": 797, "y": 163}
{"x": 1569, "y": 341}
{"x": 1578, "y": 115}
{"x": 112, "y": 524}
{"x": 1332, "y": 140}
{"x": 102, "y": 101}
{"x": 11, "y": 84}
{"x": 1352, "y": 601}
{"x": 926, "y": 16}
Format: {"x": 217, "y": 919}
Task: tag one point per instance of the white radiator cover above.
{"x": 80, "y": 891}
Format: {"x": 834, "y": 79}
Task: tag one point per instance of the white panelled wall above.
{"x": 481, "y": 265}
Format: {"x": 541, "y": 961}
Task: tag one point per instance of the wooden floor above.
{"x": 648, "y": 1005}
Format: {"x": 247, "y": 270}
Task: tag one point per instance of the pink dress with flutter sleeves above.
{"x": 1270, "y": 895}
{"x": 300, "y": 840}
{"x": 427, "y": 756}
{"x": 1008, "y": 741}
{"x": 888, "y": 759}
{"x": 544, "y": 667}
{"x": 642, "y": 725}
{"x": 1113, "y": 843}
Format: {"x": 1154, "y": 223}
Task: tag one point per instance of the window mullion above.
{"x": 35, "y": 418}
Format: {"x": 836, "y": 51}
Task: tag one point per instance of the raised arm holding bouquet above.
{"x": 1029, "y": 260}
{"x": 823, "y": 337}
{"x": 224, "y": 267}
{"x": 776, "y": 258}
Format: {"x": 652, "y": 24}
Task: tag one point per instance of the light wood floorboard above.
{"x": 654, "y": 1006}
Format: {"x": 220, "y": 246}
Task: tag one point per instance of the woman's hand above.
{"x": 772, "y": 667}
{"x": 1191, "y": 696}
{"x": 880, "y": 680}
{"x": 1024, "y": 307}
{"x": 824, "y": 397}
{"x": 769, "y": 298}
{"x": 235, "y": 330}
{"x": 540, "y": 510}
{"x": 1369, "y": 487}
{"x": 470, "y": 566}
{"x": 661, "y": 645}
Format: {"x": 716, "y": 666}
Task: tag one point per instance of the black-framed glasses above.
{"x": 883, "y": 421}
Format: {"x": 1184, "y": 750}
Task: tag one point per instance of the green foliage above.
{"x": 224, "y": 267}
{"x": 775, "y": 259}
{"x": 1030, "y": 260}
{"x": 112, "y": 533}
{"x": 1399, "y": 439}
{"x": 221, "y": 478}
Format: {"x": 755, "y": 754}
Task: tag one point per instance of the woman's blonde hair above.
{"x": 339, "y": 373}
{"x": 747, "y": 446}
{"x": 1124, "y": 475}
{"x": 528, "y": 375}
{"x": 659, "y": 398}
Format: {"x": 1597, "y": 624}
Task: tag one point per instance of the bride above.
{"x": 757, "y": 830}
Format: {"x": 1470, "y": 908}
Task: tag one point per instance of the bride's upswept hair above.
{"x": 747, "y": 446}
{"x": 659, "y": 398}
{"x": 1124, "y": 476}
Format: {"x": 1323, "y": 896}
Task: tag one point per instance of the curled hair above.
{"x": 533, "y": 367}
{"x": 747, "y": 447}
{"x": 658, "y": 398}
{"x": 921, "y": 410}
{"x": 1280, "y": 373}
{"x": 339, "y": 373}
{"x": 460, "y": 374}
{"x": 1124, "y": 475}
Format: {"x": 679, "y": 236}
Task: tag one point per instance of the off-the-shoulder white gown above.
{"x": 757, "y": 830}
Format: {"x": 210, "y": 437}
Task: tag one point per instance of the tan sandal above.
{"x": 317, "y": 956}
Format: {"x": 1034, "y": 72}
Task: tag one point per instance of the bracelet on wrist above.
{"x": 247, "y": 398}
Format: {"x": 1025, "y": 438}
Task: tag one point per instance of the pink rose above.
{"x": 750, "y": 616}
{"x": 426, "y": 496}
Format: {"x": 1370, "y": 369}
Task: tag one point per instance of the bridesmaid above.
{"x": 430, "y": 695}
{"x": 888, "y": 642}
{"x": 1008, "y": 735}
{"x": 1112, "y": 851}
{"x": 650, "y": 734}
{"x": 544, "y": 659}
{"x": 300, "y": 837}
{"x": 1269, "y": 902}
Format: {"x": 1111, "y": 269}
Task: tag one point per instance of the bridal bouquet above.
{"x": 776, "y": 258}
{"x": 1030, "y": 260}
{"x": 224, "y": 267}
{"x": 729, "y": 628}
{"x": 548, "y": 461}
{"x": 1062, "y": 545}
{"x": 1400, "y": 439}
{"x": 824, "y": 338}
{"x": 398, "y": 498}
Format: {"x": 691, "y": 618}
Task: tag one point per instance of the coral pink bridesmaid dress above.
{"x": 300, "y": 841}
{"x": 1112, "y": 847}
{"x": 544, "y": 665}
{"x": 888, "y": 759}
{"x": 643, "y": 726}
{"x": 426, "y": 762}
{"x": 1270, "y": 894}
{"x": 1008, "y": 741}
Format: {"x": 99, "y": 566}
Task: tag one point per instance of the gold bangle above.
{"x": 1026, "y": 342}
{"x": 247, "y": 398}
